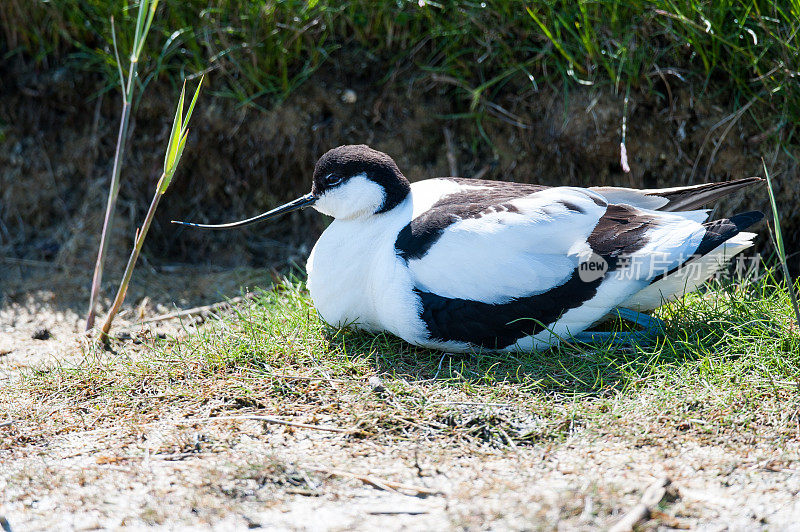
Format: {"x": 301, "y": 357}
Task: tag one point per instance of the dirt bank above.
{"x": 58, "y": 139}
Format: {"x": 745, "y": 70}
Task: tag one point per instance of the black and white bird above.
{"x": 464, "y": 264}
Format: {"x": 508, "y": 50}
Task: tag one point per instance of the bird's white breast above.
{"x": 356, "y": 278}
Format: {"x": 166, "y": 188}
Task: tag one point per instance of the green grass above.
{"x": 260, "y": 51}
{"x": 728, "y": 367}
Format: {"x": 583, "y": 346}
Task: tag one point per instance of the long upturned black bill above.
{"x": 299, "y": 203}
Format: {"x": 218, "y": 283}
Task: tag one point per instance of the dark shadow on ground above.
{"x": 566, "y": 370}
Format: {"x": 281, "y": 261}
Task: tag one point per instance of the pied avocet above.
{"x": 460, "y": 264}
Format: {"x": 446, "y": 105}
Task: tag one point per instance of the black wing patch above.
{"x": 684, "y": 199}
{"x": 417, "y": 238}
{"x": 496, "y": 326}
{"x": 622, "y": 230}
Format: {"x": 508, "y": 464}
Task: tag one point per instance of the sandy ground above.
{"x": 236, "y": 475}
{"x": 303, "y": 480}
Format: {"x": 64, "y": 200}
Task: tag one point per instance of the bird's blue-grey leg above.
{"x": 643, "y": 320}
{"x": 651, "y": 326}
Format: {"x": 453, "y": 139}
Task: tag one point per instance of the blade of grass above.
{"x": 780, "y": 248}
{"x": 177, "y": 141}
{"x": 174, "y": 135}
{"x": 150, "y": 15}
{"x": 556, "y": 42}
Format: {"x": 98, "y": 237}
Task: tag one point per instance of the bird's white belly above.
{"x": 356, "y": 279}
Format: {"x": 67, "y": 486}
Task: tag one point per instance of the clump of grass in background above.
{"x": 262, "y": 51}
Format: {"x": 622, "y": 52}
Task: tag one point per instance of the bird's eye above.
{"x": 333, "y": 180}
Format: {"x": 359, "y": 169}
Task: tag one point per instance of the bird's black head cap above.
{"x": 340, "y": 164}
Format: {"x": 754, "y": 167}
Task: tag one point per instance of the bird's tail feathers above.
{"x": 695, "y": 196}
{"x": 673, "y": 199}
{"x": 723, "y": 240}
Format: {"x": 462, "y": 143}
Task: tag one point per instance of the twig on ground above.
{"x": 178, "y": 456}
{"x": 302, "y": 378}
{"x": 170, "y": 457}
{"x": 7, "y": 423}
{"x": 265, "y": 419}
{"x": 471, "y": 403}
{"x": 269, "y": 420}
{"x": 641, "y": 512}
{"x": 380, "y": 483}
{"x": 205, "y": 309}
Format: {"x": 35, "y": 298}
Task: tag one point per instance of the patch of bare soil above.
{"x": 43, "y": 315}
{"x": 238, "y": 475}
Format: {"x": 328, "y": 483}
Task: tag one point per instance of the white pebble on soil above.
{"x": 349, "y": 96}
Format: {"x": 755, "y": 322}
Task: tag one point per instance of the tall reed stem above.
{"x": 177, "y": 142}
{"x": 137, "y": 247}
{"x": 111, "y": 205}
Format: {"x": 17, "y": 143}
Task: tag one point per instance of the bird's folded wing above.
{"x": 494, "y": 247}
